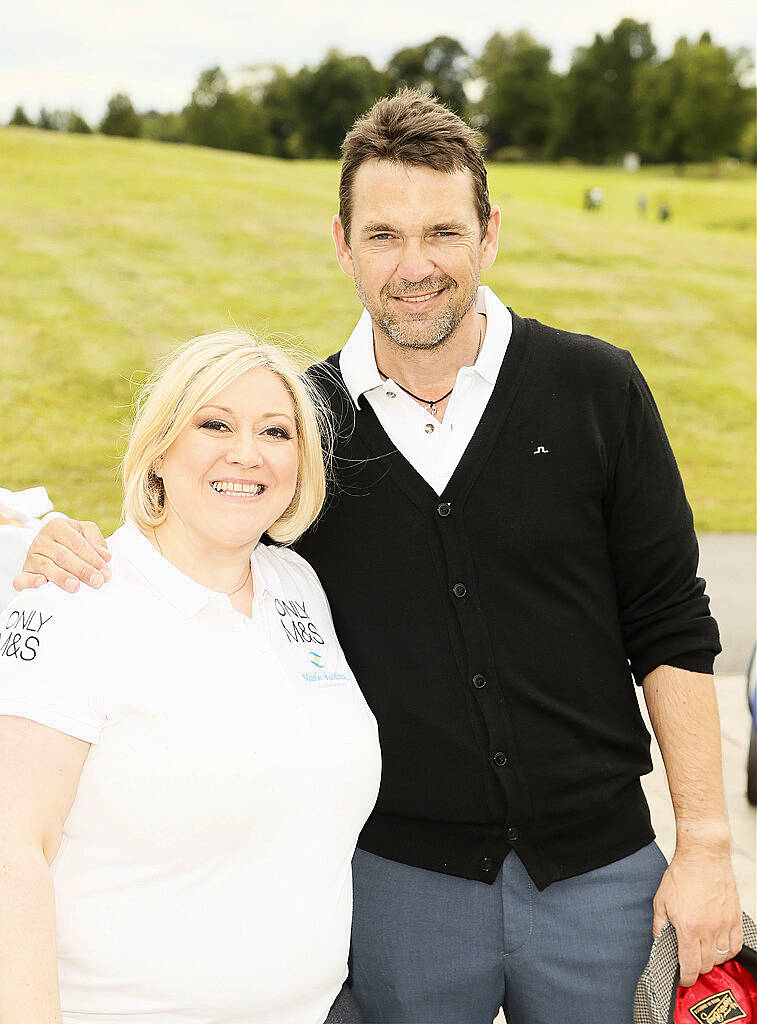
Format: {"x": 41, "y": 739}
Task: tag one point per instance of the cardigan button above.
{"x": 485, "y": 864}
{"x": 459, "y": 590}
{"x": 444, "y": 509}
{"x": 512, "y": 834}
{"x": 500, "y": 759}
{"x": 479, "y": 681}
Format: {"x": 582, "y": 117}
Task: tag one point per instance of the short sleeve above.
{"x": 49, "y": 662}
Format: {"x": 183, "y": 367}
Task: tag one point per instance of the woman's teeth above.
{"x": 224, "y": 487}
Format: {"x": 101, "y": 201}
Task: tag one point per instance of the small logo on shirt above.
{"x": 541, "y": 450}
{"x": 323, "y": 678}
{"x": 717, "y": 1009}
{"x": 296, "y": 622}
{"x": 20, "y": 639}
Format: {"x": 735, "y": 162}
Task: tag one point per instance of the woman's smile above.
{"x": 237, "y": 490}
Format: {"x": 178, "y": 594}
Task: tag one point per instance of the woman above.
{"x": 185, "y": 758}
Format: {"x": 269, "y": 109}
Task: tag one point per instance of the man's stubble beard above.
{"x": 435, "y": 331}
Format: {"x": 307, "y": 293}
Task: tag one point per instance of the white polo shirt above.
{"x": 204, "y": 873}
{"x": 433, "y": 448}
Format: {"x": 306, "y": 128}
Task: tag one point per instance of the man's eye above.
{"x": 446, "y": 234}
{"x": 278, "y": 432}
{"x": 214, "y": 425}
{"x": 382, "y": 236}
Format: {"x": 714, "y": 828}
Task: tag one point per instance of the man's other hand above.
{"x": 64, "y": 552}
{"x": 698, "y": 896}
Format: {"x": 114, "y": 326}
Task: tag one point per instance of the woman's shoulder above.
{"x": 93, "y": 606}
{"x": 45, "y": 631}
{"x": 59, "y": 617}
{"x": 283, "y": 566}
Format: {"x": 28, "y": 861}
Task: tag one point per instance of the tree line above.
{"x": 618, "y": 96}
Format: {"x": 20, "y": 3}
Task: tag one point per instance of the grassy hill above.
{"x": 112, "y": 251}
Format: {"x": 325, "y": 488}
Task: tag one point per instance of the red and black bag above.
{"x": 726, "y": 993}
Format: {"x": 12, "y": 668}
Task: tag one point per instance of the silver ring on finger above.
{"x": 721, "y": 952}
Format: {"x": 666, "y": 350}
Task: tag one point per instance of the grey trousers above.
{"x": 429, "y": 948}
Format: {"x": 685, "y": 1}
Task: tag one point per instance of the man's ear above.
{"x": 490, "y": 241}
{"x": 343, "y": 251}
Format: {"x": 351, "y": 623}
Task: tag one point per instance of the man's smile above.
{"x": 421, "y": 302}
{"x": 418, "y": 298}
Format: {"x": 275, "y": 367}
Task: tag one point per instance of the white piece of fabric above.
{"x": 204, "y": 874}
{"x": 23, "y": 506}
{"x": 14, "y": 543}
{"x": 25, "y": 509}
{"x": 433, "y": 448}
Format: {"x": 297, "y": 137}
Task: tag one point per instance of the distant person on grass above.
{"x": 507, "y": 548}
{"x": 181, "y": 785}
{"x": 593, "y": 198}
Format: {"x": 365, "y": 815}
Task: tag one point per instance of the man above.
{"x": 507, "y": 533}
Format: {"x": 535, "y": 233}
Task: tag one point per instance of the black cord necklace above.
{"x": 432, "y": 403}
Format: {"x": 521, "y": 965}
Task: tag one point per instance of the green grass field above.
{"x": 112, "y": 251}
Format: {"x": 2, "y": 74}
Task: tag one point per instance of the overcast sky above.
{"x": 77, "y": 54}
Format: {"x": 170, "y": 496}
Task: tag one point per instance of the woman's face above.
{"x": 232, "y": 471}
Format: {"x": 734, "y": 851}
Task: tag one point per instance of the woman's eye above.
{"x": 278, "y": 432}
{"x": 214, "y": 425}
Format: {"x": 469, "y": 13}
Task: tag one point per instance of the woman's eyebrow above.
{"x": 283, "y": 415}
{"x": 264, "y": 415}
{"x": 221, "y": 408}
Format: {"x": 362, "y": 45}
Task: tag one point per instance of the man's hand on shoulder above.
{"x": 698, "y": 896}
{"x": 64, "y": 552}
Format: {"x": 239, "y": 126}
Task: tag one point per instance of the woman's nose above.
{"x": 245, "y": 451}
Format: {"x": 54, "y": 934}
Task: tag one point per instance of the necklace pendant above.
{"x": 432, "y": 408}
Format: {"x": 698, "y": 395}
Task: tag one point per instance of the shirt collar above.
{"x": 499, "y": 327}
{"x": 188, "y": 596}
{"x": 357, "y": 360}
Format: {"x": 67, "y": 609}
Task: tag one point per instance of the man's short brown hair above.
{"x": 415, "y": 129}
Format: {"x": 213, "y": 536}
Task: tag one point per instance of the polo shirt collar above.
{"x": 184, "y": 593}
{"x": 357, "y": 360}
{"x": 499, "y": 327}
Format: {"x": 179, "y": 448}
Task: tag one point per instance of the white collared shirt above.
{"x": 433, "y": 448}
{"x": 204, "y": 872}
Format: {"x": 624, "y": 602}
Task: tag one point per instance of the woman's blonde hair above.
{"x": 186, "y": 381}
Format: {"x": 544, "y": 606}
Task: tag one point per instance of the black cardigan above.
{"x": 491, "y": 628}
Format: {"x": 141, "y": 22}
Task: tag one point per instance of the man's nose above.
{"x": 415, "y": 260}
